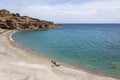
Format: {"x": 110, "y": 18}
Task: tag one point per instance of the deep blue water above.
{"x": 95, "y": 47}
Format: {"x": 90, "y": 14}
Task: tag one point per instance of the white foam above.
{"x": 10, "y": 36}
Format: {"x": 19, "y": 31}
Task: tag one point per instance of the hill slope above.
{"x": 15, "y": 21}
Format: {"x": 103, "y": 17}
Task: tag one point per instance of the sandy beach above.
{"x": 17, "y": 63}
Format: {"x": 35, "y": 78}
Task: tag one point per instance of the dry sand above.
{"x": 16, "y": 63}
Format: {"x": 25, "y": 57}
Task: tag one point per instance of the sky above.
{"x": 67, "y": 11}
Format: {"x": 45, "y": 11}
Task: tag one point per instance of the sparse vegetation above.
{"x": 16, "y": 14}
{"x": 22, "y": 22}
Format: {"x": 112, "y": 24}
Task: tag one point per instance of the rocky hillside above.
{"x": 15, "y": 21}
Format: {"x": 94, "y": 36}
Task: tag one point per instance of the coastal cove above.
{"x": 24, "y": 64}
{"x": 46, "y": 45}
{"x": 60, "y": 40}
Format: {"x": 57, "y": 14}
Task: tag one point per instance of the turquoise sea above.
{"x": 93, "y": 47}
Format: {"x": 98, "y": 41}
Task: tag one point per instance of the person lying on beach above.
{"x": 55, "y": 63}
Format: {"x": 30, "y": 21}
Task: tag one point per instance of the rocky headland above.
{"x": 13, "y": 21}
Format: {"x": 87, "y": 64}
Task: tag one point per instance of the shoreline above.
{"x": 35, "y": 63}
{"x": 65, "y": 64}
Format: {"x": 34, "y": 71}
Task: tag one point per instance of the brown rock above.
{"x": 15, "y": 21}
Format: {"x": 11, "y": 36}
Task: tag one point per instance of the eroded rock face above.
{"x": 3, "y": 25}
{"x": 15, "y": 21}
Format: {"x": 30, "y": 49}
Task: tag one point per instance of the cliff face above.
{"x": 15, "y": 21}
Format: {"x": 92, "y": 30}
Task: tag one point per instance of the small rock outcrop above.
{"x": 15, "y": 21}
